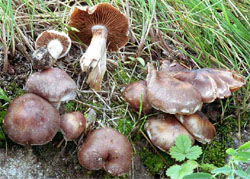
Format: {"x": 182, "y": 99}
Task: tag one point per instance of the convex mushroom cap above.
{"x": 52, "y": 84}
{"x": 170, "y": 95}
{"x": 101, "y": 27}
{"x": 199, "y": 126}
{"x": 106, "y": 148}
{"x": 31, "y": 120}
{"x": 163, "y": 130}
{"x": 135, "y": 93}
{"x": 72, "y": 125}
{"x": 52, "y": 42}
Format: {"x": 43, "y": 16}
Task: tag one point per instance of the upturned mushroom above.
{"x": 171, "y": 95}
{"x": 210, "y": 83}
{"x": 135, "y": 93}
{"x": 52, "y": 84}
{"x": 199, "y": 126}
{"x": 102, "y": 27}
{"x": 50, "y": 43}
{"x": 31, "y": 120}
{"x": 163, "y": 130}
{"x": 106, "y": 148}
{"x": 72, "y": 125}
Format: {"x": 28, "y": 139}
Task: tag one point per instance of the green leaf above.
{"x": 244, "y": 146}
{"x": 174, "y": 171}
{"x": 183, "y": 142}
{"x": 3, "y": 95}
{"x": 183, "y": 149}
{"x": 242, "y": 174}
{"x": 248, "y": 170}
{"x": 244, "y": 155}
{"x": 194, "y": 153}
{"x": 178, "y": 171}
{"x": 224, "y": 170}
{"x": 230, "y": 151}
{"x": 177, "y": 153}
{"x": 198, "y": 176}
{"x": 141, "y": 60}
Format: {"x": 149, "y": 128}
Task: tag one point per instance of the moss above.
{"x": 15, "y": 89}
{"x": 215, "y": 153}
{"x": 124, "y": 126}
{"x": 152, "y": 161}
{"x": 73, "y": 106}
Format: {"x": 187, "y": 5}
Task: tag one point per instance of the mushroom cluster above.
{"x": 33, "y": 118}
{"x": 180, "y": 92}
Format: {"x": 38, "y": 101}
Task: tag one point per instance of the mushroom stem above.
{"x": 95, "y": 57}
{"x": 97, "y": 48}
{"x": 55, "y": 48}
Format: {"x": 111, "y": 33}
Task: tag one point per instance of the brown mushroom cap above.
{"x": 31, "y": 120}
{"x": 133, "y": 94}
{"x": 106, "y": 148}
{"x": 84, "y": 18}
{"x": 163, "y": 130}
{"x": 170, "y": 68}
{"x": 212, "y": 83}
{"x": 171, "y": 95}
{"x": 199, "y": 126}
{"x": 233, "y": 79}
{"x": 47, "y": 36}
{"x": 72, "y": 125}
{"x": 52, "y": 84}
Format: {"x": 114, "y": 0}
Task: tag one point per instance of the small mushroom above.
{"x": 101, "y": 27}
{"x": 199, "y": 126}
{"x": 54, "y": 43}
{"x": 106, "y": 148}
{"x": 52, "y": 84}
{"x": 163, "y": 130}
{"x": 171, "y": 95}
{"x": 135, "y": 93}
{"x": 72, "y": 125}
{"x": 31, "y": 120}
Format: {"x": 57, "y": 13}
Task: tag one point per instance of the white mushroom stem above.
{"x": 55, "y": 48}
{"x": 96, "y": 49}
{"x": 95, "y": 57}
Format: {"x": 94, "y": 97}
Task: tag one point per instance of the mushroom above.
{"x": 31, "y": 120}
{"x": 72, "y": 125}
{"x": 52, "y": 42}
{"x": 210, "y": 83}
{"x": 53, "y": 85}
{"x": 135, "y": 93}
{"x": 199, "y": 126}
{"x": 163, "y": 130}
{"x": 106, "y": 148}
{"x": 102, "y": 27}
{"x": 171, "y": 95}
{"x": 233, "y": 79}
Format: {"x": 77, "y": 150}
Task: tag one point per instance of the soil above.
{"x": 18, "y": 162}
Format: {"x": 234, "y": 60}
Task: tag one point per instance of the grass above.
{"x": 206, "y": 33}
